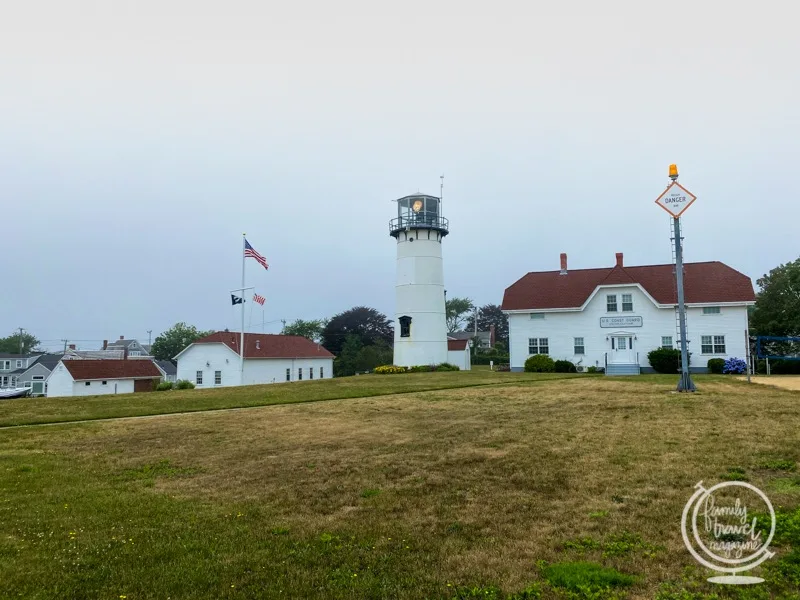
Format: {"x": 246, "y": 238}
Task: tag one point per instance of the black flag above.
{"x": 236, "y": 300}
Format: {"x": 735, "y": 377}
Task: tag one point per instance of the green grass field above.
{"x": 441, "y": 485}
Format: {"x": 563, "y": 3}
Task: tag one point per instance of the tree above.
{"x": 18, "y": 343}
{"x": 170, "y": 343}
{"x": 308, "y": 329}
{"x": 367, "y": 324}
{"x": 456, "y": 312}
{"x": 489, "y": 315}
{"x": 777, "y": 310}
{"x": 357, "y": 358}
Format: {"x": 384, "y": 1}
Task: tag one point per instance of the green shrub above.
{"x": 389, "y": 370}
{"x": 784, "y": 367}
{"x": 184, "y": 384}
{"x": 565, "y": 366}
{"x": 164, "y": 386}
{"x": 591, "y": 370}
{"x": 539, "y": 363}
{"x": 715, "y": 365}
{"x": 665, "y": 360}
{"x": 447, "y": 367}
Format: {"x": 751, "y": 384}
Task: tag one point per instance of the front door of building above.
{"x": 622, "y": 351}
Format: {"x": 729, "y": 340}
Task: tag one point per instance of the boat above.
{"x": 6, "y": 393}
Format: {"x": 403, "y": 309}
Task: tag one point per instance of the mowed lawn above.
{"x": 516, "y": 487}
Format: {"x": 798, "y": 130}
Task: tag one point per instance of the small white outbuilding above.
{"x": 77, "y": 377}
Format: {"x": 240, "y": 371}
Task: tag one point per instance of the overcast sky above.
{"x": 140, "y": 139}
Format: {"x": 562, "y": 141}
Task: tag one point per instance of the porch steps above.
{"x": 632, "y": 369}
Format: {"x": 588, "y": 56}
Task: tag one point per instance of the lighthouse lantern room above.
{"x": 420, "y": 335}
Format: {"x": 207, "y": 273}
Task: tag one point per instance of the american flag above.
{"x": 259, "y": 299}
{"x": 251, "y": 252}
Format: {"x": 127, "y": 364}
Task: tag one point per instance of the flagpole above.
{"x": 241, "y": 345}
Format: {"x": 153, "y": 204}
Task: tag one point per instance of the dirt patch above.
{"x": 786, "y": 382}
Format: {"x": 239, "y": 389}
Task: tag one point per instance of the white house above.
{"x": 103, "y": 376}
{"x": 214, "y": 361}
{"x": 612, "y": 317}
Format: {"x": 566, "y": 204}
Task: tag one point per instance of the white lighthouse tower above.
{"x": 420, "y": 334}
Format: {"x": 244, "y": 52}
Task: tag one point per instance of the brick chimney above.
{"x": 122, "y": 337}
{"x": 491, "y": 335}
{"x": 619, "y": 259}
{"x": 563, "y": 263}
{"x": 72, "y": 346}
{"x": 105, "y": 344}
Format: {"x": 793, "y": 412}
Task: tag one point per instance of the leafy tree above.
{"x": 488, "y": 315}
{"x": 357, "y": 358}
{"x": 308, "y": 329}
{"x": 167, "y": 345}
{"x": 13, "y": 343}
{"x": 456, "y": 313}
{"x": 777, "y": 310}
{"x": 346, "y": 361}
{"x": 367, "y": 324}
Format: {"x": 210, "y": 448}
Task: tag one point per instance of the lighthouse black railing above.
{"x": 419, "y": 221}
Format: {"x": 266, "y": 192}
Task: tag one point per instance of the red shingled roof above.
{"x": 111, "y": 369}
{"x": 457, "y": 344}
{"x": 704, "y": 282}
{"x": 263, "y": 345}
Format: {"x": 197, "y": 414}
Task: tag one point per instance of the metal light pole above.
{"x": 685, "y": 384}
{"x": 675, "y": 200}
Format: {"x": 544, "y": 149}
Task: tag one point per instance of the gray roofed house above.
{"x": 169, "y": 372}
{"x": 486, "y": 339}
{"x": 131, "y": 347}
{"x": 11, "y": 365}
{"x": 35, "y": 376}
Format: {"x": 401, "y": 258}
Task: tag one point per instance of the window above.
{"x": 712, "y": 344}
{"x": 611, "y": 303}
{"x": 299, "y": 373}
{"x": 405, "y": 326}
{"x": 134, "y": 353}
{"x": 711, "y": 310}
{"x": 19, "y": 364}
{"x": 217, "y": 377}
{"x": 311, "y": 372}
{"x": 579, "y": 347}
{"x": 5, "y": 365}
{"x": 622, "y": 343}
{"x": 321, "y": 373}
{"x": 88, "y": 383}
{"x": 38, "y": 377}
{"x": 288, "y": 374}
{"x": 666, "y": 342}
{"x": 105, "y": 383}
{"x": 198, "y": 378}
{"x": 13, "y": 382}
{"x": 538, "y": 346}
{"x": 537, "y": 315}
{"x": 627, "y": 302}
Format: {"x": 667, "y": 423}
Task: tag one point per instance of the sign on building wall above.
{"x": 621, "y": 321}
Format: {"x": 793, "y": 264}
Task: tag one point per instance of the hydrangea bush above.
{"x": 735, "y": 366}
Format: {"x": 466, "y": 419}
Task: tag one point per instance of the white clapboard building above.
{"x": 72, "y": 377}
{"x": 612, "y": 317}
{"x": 214, "y": 361}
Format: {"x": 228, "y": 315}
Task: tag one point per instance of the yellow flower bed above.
{"x": 389, "y": 370}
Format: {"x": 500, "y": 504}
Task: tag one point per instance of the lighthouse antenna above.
{"x": 441, "y": 193}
